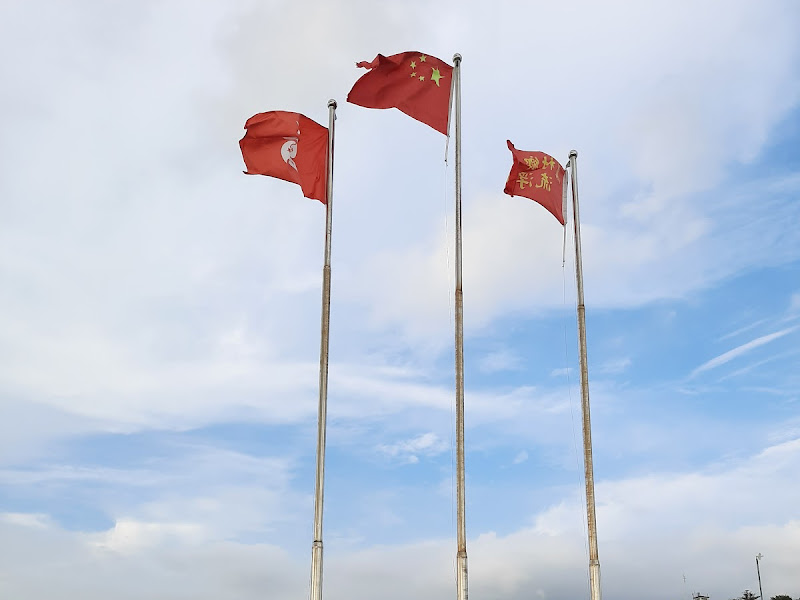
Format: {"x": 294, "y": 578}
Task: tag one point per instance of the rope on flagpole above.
{"x": 564, "y": 213}
{"x": 449, "y": 114}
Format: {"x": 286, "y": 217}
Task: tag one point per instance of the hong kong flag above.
{"x": 417, "y": 84}
{"x": 289, "y": 146}
{"x": 540, "y": 177}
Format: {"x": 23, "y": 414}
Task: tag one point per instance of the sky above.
{"x": 159, "y": 310}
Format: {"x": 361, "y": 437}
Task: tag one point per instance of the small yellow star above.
{"x": 436, "y": 76}
{"x": 413, "y": 64}
{"x": 422, "y": 58}
{"x": 422, "y": 77}
{"x": 413, "y": 74}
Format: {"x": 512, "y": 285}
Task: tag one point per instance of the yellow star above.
{"x": 413, "y": 74}
{"x": 422, "y": 77}
{"x": 413, "y": 64}
{"x": 436, "y": 76}
{"x": 422, "y": 58}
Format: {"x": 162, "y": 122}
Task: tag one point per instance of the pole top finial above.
{"x": 573, "y": 154}
{"x": 332, "y": 103}
{"x": 456, "y": 58}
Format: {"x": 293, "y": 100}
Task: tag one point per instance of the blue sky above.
{"x": 159, "y": 311}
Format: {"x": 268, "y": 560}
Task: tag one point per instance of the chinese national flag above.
{"x": 288, "y": 146}
{"x": 540, "y": 177}
{"x": 415, "y": 83}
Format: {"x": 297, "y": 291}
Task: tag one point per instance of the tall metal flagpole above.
{"x": 758, "y": 570}
{"x": 461, "y": 557}
{"x": 316, "y": 547}
{"x": 594, "y": 561}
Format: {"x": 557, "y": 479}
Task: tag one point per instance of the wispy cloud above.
{"x": 34, "y": 520}
{"x": 743, "y": 329}
{"x": 501, "y": 360}
{"x": 740, "y": 350}
{"x": 614, "y": 366}
{"x": 427, "y": 444}
{"x": 129, "y": 535}
{"x": 794, "y": 303}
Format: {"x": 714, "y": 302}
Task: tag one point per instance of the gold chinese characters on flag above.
{"x": 537, "y": 176}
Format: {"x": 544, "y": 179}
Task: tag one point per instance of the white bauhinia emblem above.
{"x": 289, "y": 151}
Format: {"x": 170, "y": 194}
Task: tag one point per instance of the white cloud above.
{"x": 743, "y": 329}
{"x": 501, "y": 360}
{"x": 614, "y": 366}
{"x": 169, "y": 566}
{"x": 426, "y": 444}
{"x": 693, "y": 523}
{"x": 147, "y": 284}
{"x": 520, "y": 458}
{"x": 667, "y": 139}
{"x": 134, "y": 536}
{"x": 37, "y": 521}
{"x": 740, "y": 350}
{"x": 187, "y": 292}
{"x": 561, "y": 372}
{"x": 794, "y": 302}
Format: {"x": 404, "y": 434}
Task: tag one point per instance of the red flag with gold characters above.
{"x": 289, "y": 146}
{"x": 417, "y": 84}
{"x": 540, "y": 177}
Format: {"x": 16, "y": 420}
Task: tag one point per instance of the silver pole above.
{"x": 758, "y": 570}
{"x": 594, "y": 561}
{"x": 316, "y": 547}
{"x": 461, "y": 557}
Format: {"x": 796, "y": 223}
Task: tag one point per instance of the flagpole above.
{"x": 316, "y": 547}
{"x": 594, "y": 561}
{"x": 461, "y": 557}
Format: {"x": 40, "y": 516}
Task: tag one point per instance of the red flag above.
{"x": 540, "y": 177}
{"x": 415, "y": 83}
{"x": 288, "y": 146}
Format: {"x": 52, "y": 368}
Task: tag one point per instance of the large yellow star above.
{"x": 436, "y": 76}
